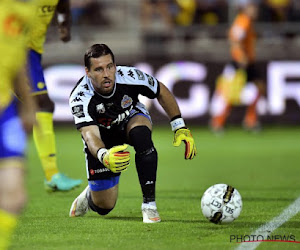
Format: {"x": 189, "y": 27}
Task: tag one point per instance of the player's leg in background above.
{"x": 12, "y": 188}
{"x": 220, "y": 108}
{"x": 218, "y": 120}
{"x": 251, "y": 120}
{"x": 139, "y": 135}
{"x": 43, "y": 131}
{"x": 12, "y": 197}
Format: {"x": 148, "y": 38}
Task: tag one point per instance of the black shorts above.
{"x": 252, "y": 70}
{"x": 111, "y": 137}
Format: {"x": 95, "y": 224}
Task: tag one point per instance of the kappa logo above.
{"x": 120, "y": 72}
{"x": 126, "y": 101}
{"x": 76, "y": 99}
{"x": 100, "y": 108}
{"x": 78, "y": 111}
{"x": 80, "y": 93}
{"x": 86, "y": 86}
{"x": 131, "y": 74}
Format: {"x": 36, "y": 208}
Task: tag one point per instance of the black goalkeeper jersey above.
{"x": 91, "y": 108}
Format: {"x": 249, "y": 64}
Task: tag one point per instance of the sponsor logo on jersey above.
{"x": 100, "y": 108}
{"x": 126, "y": 101}
{"x": 46, "y": 10}
{"x": 140, "y": 75}
{"x": 78, "y": 111}
{"x": 105, "y": 122}
{"x": 13, "y": 25}
{"x": 99, "y": 170}
{"x": 150, "y": 80}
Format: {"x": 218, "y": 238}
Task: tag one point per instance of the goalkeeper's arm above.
{"x": 181, "y": 133}
{"x": 116, "y": 159}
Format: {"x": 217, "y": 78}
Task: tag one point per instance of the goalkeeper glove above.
{"x": 115, "y": 159}
{"x": 183, "y": 134}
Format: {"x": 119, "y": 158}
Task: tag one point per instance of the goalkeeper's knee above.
{"x": 95, "y": 208}
{"x": 140, "y": 139}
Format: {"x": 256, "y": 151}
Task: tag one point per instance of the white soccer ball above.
{"x": 221, "y": 204}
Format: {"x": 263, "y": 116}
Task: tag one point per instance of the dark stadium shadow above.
{"x": 254, "y": 225}
{"x": 124, "y": 218}
{"x": 183, "y": 221}
{"x": 208, "y": 225}
{"x": 169, "y": 197}
{"x": 264, "y": 199}
{"x": 180, "y": 197}
{"x": 242, "y": 224}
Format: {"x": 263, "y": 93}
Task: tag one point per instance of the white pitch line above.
{"x": 272, "y": 225}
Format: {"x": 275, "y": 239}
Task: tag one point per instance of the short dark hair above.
{"x": 96, "y": 51}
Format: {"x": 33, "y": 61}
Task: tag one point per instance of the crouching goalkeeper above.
{"x": 109, "y": 116}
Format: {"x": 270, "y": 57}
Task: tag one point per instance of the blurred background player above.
{"x": 15, "y": 20}
{"x": 107, "y": 112}
{"x": 43, "y": 132}
{"x": 151, "y": 10}
{"x": 230, "y": 84}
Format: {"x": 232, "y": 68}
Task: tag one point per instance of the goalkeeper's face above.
{"x": 102, "y": 73}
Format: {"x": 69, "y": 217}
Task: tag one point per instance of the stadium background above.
{"x": 264, "y": 167}
{"x": 165, "y": 50}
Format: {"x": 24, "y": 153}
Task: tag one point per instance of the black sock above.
{"x": 146, "y": 165}
{"x": 145, "y": 160}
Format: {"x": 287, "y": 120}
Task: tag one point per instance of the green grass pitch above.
{"x": 265, "y": 168}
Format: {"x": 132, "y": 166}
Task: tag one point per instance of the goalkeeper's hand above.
{"x": 115, "y": 159}
{"x": 184, "y": 134}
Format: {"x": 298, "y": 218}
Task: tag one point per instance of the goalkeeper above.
{"x": 107, "y": 112}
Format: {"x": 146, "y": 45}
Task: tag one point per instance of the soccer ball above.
{"x": 221, "y": 204}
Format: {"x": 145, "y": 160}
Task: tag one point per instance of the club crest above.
{"x": 126, "y": 101}
{"x": 100, "y": 108}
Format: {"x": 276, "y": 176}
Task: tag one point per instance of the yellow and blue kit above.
{"x": 44, "y": 14}
{"x": 15, "y": 22}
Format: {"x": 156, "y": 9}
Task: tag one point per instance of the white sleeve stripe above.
{"x": 79, "y": 103}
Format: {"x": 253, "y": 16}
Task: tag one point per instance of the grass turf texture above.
{"x": 264, "y": 168}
